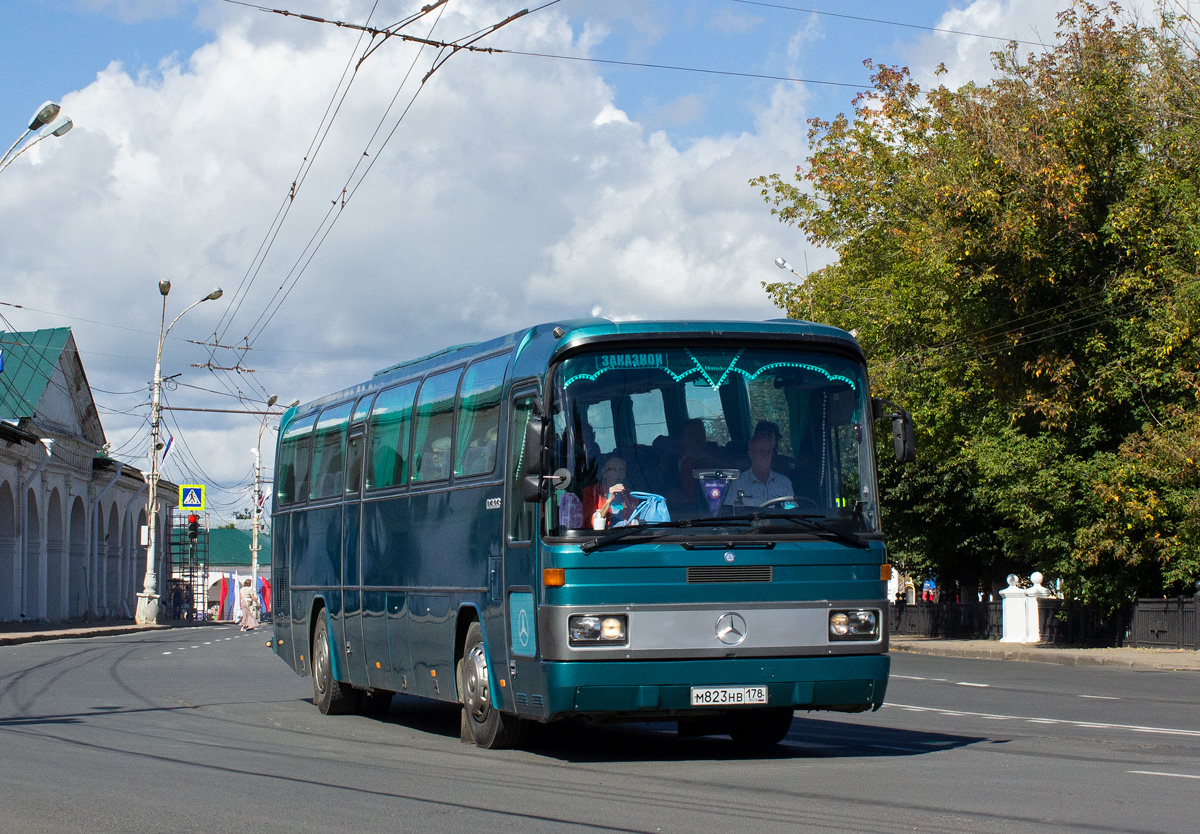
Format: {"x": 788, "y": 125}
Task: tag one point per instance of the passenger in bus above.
{"x": 780, "y": 463}
{"x": 610, "y": 498}
{"x": 758, "y": 484}
{"x": 679, "y": 462}
{"x": 694, "y": 454}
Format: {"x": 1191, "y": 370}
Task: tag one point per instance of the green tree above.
{"x": 1020, "y": 261}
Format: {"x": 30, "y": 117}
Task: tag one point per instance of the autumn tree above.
{"x": 1020, "y": 261}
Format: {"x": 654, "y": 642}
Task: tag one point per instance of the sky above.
{"x": 359, "y": 210}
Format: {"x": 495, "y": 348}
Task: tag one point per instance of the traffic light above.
{"x": 193, "y": 527}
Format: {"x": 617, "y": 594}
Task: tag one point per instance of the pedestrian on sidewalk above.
{"x": 249, "y": 603}
{"x": 901, "y": 604}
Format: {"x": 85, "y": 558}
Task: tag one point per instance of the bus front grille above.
{"x": 729, "y": 573}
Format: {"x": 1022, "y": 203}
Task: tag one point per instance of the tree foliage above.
{"x": 1020, "y": 261}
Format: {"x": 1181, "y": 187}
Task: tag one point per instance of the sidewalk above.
{"x": 12, "y": 634}
{"x": 1182, "y": 660}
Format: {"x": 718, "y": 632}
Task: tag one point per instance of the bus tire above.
{"x": 486, "y": 725}
{"x": 329, "y": 696}
{"x": 761, "y": 727}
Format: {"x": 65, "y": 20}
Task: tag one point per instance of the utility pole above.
{"x": 256, "y": 511}
{"x": 147, "y": 605}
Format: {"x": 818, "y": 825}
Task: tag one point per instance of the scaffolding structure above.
{"x": 189, "y": 571}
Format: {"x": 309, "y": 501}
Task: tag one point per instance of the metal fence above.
{"x": 1165, "y": 623}
{"x": 953, "y": 620}
{"x": 1067, "y": 623}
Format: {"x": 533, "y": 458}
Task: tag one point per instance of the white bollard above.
{"x": 1013, "y": 622}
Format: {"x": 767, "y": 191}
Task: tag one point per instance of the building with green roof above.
{"x": 70, "y": 517}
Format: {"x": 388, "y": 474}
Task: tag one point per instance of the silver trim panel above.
{"x": 703, "y": 631}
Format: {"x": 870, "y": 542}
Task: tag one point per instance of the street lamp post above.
{"x": 783, "y": 264}
{"x": 147, "y": 607}
{"x": 48, "y": 115}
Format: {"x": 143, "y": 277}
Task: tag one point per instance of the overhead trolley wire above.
{"x": 310, "y": 157}
{"x": 887, "y": 22}
{"x": 445, "y": 50}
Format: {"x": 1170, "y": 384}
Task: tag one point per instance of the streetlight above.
{"x": 147, "y": 607}
{"x": 48, "y": 115}
{"x": 258, "y": 498}
{"x": 783, "y": 264}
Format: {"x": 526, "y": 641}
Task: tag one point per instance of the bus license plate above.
{"x": 731, "y": 696}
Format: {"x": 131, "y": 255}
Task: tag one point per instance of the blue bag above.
{"x": 650, "y": 508}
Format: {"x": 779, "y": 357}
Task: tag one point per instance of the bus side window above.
{"x": 479, "y": 417}
{"x": 520, "y": 513}
{"x": 387, "y": 448}
{"x": 327, "y": 452}
{"x": 295, "y": 449}
{"x": 433, "y": 427}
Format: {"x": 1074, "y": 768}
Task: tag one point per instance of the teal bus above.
{"x": 451, "y": 529}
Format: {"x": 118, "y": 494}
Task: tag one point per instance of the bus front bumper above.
{"x": 648, "y": 689}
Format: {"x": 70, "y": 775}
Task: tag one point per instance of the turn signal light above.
{"x": 554, "y": 577}
{"x": 885, "y": 573}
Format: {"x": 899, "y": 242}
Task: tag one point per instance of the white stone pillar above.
{"x": 1033, "y": 620}
{"x": 1012, "y": 609}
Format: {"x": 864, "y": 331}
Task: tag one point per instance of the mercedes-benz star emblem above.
{"x": 731, "y": 628}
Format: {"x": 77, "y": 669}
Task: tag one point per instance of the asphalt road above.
{"x": 203, "y": 729}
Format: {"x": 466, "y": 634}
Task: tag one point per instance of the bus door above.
{"x": 360, "y": 624}
{"x": 518, "y": 642}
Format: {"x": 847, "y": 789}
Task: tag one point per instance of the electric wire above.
{"x": 887, "y": 22}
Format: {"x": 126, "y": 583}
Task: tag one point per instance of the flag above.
{"x": 264, "y": 595}
{"x": 229, "y": 586}
{"x": 262, "y": 497}
{"x": 167, "y": 448}
{"x": 221, "y": 600}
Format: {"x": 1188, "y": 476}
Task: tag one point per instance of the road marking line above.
{"x": 1133, "y": 728}
{"x": 167, "y": 652}
{"x": 909, "y": 677}
{"x": 967, "y": 683}
{"x": 1101, "y": 697}
{"x": 1161, "y": 773}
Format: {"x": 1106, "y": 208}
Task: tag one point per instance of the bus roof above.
{"x": 536, "y": 345}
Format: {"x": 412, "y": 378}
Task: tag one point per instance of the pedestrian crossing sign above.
{"x": 191, "y": 497}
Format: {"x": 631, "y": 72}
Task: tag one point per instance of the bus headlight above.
{"x": 856, "y": 624}
{"x": 597, "y": 629}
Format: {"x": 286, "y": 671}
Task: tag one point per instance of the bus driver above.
{"x": 758, "y": 484}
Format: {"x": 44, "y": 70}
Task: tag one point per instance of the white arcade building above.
{"x": 70, "y": 517}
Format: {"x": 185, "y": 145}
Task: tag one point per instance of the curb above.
{"x": 13, "y": 639}
{"x": 1059, "y": 657}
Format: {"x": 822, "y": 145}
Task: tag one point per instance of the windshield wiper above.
{"x": 616, "y": 533}
{"x": 810, "y": 521}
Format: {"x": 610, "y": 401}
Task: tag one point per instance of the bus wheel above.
{"x": 761, "y": 727}
{"x": 486, "y": 725}
{"x": 330, "y": 697}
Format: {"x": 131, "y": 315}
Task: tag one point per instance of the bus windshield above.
{"x": 686, "y": 433}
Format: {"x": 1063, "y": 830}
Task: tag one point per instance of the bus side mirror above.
{"x": 903, "y": 436}
{"x": 535, "y": 455}
{"x": 533, "y": 485}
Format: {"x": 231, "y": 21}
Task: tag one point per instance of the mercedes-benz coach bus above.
{"x": 658, "y": 521}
